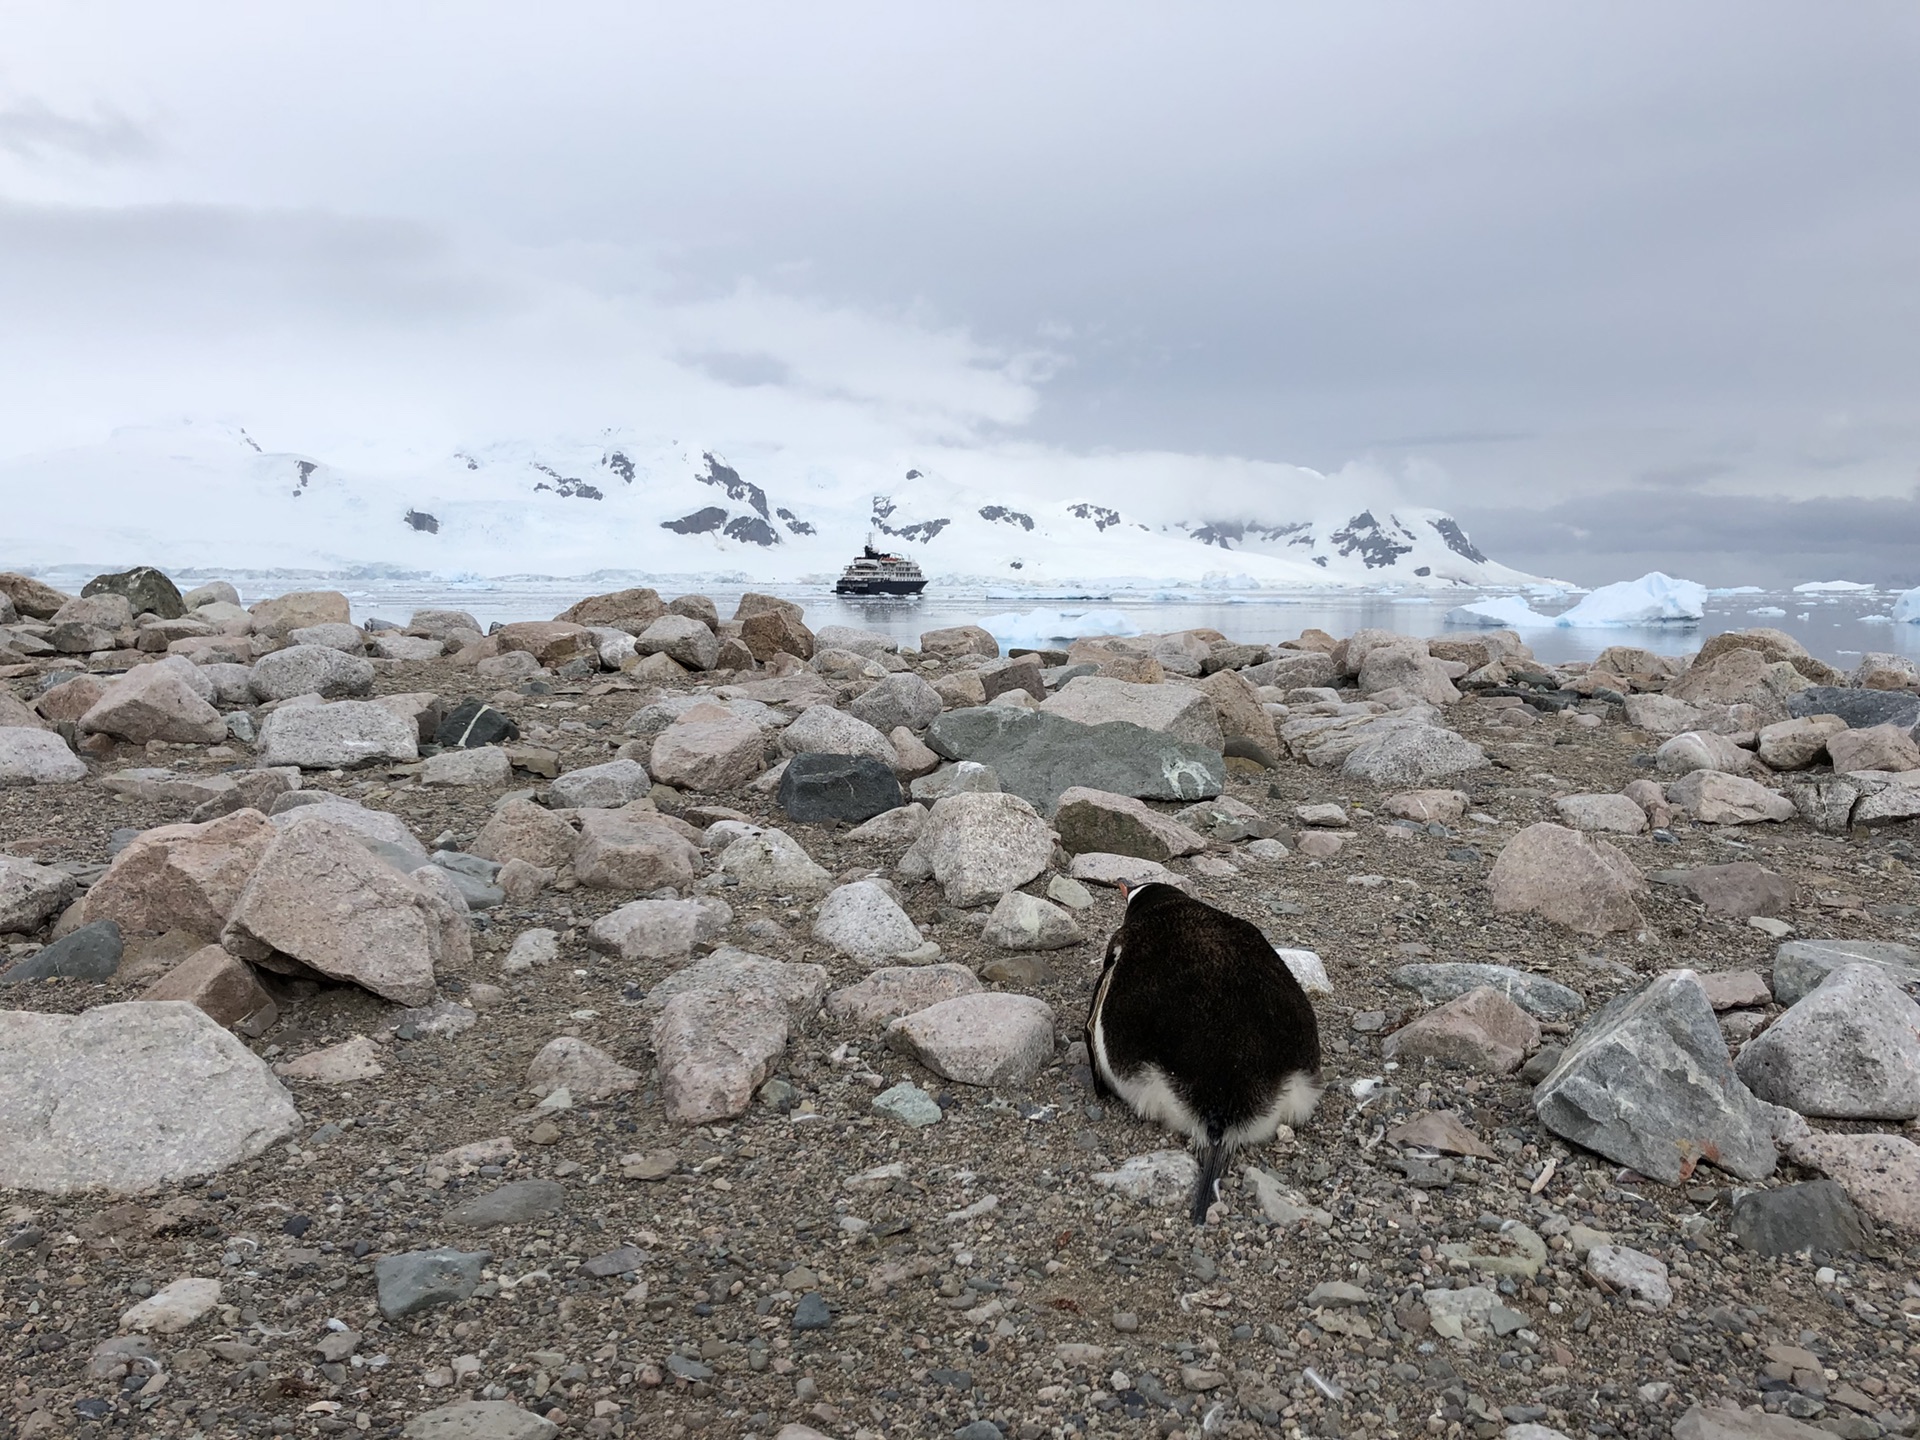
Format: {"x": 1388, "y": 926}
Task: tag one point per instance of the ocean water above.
{"x": 1837, "y": 627}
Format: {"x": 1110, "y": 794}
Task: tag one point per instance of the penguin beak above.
{"x": 1126, "y": 891}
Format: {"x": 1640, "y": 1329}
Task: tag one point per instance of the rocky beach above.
{"x": 657, "y": 1023}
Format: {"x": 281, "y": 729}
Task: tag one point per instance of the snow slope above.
{"x": 207, "y": 496}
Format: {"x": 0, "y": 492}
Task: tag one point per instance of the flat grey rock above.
{"x": 1798, "y": 1219}
{"x": 1799, "y": 966}
{"x": 419, "y": 1280}
{"x": 1861, "y": 709}
{"x": 514, "y": 1203}
{"x": 1037, "y": 755}
{"x": 1540, "y": 997}
{"x": 479, "y": 1420}
{"x": 90, "y": 953}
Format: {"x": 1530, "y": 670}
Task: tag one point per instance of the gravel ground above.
{"x": 988, "y": 1277}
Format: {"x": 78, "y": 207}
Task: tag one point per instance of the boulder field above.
{"x": 644, "y": 1023}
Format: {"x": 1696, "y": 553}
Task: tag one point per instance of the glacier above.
{"x": 208, "y": 496}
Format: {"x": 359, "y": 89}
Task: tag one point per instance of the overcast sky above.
{"x": 1623, "y": 286}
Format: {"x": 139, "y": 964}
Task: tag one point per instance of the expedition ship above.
{"x": 877, "y": 573}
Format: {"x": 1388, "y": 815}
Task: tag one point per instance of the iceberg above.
{"x": 1502, "y": 612}
{"x": 1819, "y": 587}
{"x": 1769, "y": 610}
{"x": 1037, "y": 629}
{"x": 1653, "y": 599}
{"x": 1906, "y": 610}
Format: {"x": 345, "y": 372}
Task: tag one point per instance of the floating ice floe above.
{"x": 1498, "y": 612}
{"x": 1820, "y": 587}
{"x": 1653, "y": 599}
{"x": 1906, "y": 610}
{"x": 1035, "y": 629}
{"x": 1767, "y": 610}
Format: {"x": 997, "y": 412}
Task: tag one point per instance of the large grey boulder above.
{"x": 157, "y": 702}
{"x": 659, "y": 929}
{"x": 681, "y": 638}
{"x": 1179, "y": 711}
{"x": 320, "y": 904}
{"x": 1608, "y": 814}
{"x": 1848, "y": 1051}
{"x": 863, "y": 920}
{"x": 714, "y": 1050}
{"x": 747, "y": 979}
{"x": 1090, "y": 819}
{"x": 130, "y": 1097}
{"x": 1026, "y": 922}
{"x": 978, "y": 846}
{"x": 30, "y": 894}
{"x": 823, "y": 730}
{"x": 1411, "y": 753}
{"x": 1408, "y": 669}
{"x": 147, "y": 591}
{"x": 707, "y": 748}
{"x": 336, "y": 737}
{"x": 1715, "y": 798}
{"x": 1037, "y": 755}
{"x": 870, "y": 643}
{"x": 1648, "y": 1083}
{"x": 1567, "y": 877}
{"x": 983, "y": 1039}
{"x": 1294, "y": 670}
{"x": 773, "y": 863}
{"x": 32, "y": 756}
{"x": 1799, "y": 966}
{"x": 334, "y": 635}
{"x": 605, "y": 786}
{"x": 1693, "y": 750}
{"x": 898, "y": 990}
{"x": 311, "y": 670}
{"x": 903, "y": 699}
{"x": 380, "y": 830}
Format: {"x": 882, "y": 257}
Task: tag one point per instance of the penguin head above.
{"x": 1150, "y": 895}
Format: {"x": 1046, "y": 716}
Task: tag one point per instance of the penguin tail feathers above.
{"x": 1214, "y": 1154}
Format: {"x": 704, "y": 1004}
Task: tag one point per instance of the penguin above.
{"x": 1196, "y": 1023}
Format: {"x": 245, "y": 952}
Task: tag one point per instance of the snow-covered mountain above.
{"x": 206, "y": 496}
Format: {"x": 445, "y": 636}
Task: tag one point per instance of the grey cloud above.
{"x": 1557, "y": 251}
{"x": 1715, "y": 539}
{"x": 32, "y": 130}
{"x": 731, "y": 368}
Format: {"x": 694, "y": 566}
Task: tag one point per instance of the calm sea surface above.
{"x": 1836, "y": 626}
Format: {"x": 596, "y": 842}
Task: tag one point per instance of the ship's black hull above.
{"x": 879, "y": 587}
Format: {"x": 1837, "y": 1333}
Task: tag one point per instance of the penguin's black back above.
{"x": 1201, "y": 995}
